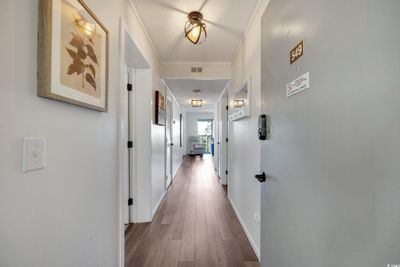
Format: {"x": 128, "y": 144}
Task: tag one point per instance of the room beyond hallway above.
{"x": 195, "y": 225}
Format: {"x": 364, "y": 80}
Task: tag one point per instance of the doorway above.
{"x": 130, "y": 160}
{"x": 134, "y": 157}
{"x": 205, "y": 133}
{"x": 223, "y": 140}
{"x": 168, "y": 143}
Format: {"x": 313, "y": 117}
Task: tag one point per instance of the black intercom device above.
{"x": 262, "y": 127}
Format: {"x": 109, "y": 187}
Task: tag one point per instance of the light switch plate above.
{"x": 34, "y": 154}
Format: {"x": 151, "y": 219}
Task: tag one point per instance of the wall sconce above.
{"x": 238, "y": 103}
{"x": 195, "y": 28}
{"x": 197, "y": 103}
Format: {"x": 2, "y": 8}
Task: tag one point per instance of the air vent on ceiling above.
{"x": 196, "y": 69}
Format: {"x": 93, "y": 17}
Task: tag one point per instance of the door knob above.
{"x": 261, "y": 177}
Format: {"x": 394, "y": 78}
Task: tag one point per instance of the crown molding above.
{"x": 146, "y": 33}
{"x": 260, "y": 7}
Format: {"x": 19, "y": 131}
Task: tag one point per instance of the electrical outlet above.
{"x": 34, "y": 154}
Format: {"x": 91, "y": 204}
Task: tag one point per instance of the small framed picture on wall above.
{"x": 160, "y": 109}
{"x": 72, "y": 54}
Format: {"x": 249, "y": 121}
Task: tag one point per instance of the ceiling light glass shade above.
{"x": 195, "y": 28}
{"x": 197, "y": 103}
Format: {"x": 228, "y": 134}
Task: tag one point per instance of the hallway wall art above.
{"x": 160, "y": 109}
{"x": 72, "y": 54}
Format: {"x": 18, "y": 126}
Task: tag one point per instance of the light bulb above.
{"x": 194, "y": 33}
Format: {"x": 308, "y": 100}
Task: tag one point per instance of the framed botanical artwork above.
{"x": 72, "y": 54}
{"x": 160, "y": 109}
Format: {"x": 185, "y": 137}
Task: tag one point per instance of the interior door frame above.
{"x": 224, "y": 135}
{"x": 123, "y": 136}
{"x": 169, "y": 144}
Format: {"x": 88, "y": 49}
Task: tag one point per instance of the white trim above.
{"x": 170, "y": 92}
{"x": 260, "y": 7}
{"x": 143, "y": 27}
{"x": 121, "y": 236}
{"x": 225, "y": 91}
{"x": 158, "y": 204}
{"x": 122, "y": 138}
{"x": 180, "y": 165}
{"x": 253, "y": 244}
{"x": 163, "y": 195}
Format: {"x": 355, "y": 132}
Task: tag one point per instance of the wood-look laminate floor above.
{"x": 194, "y": 226}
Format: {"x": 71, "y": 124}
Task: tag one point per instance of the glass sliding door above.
{"x": 205, "y": 133}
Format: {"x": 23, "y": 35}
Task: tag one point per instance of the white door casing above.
{"x": 168, "y": 143}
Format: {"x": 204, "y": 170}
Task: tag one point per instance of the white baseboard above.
{"x": 253, "y": 244}
{"x": 158, "y": 204}
{"x": 180, "y": 165}
{"x": 165, "y": 192}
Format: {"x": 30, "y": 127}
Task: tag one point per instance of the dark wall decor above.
{"x": 160, "y": 109}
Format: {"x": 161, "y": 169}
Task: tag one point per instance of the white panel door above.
{"x": 168, "y": 143}
{"x": 331, "y": 197}
{"x": 223, "y": 144}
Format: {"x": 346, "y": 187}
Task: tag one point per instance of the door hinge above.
{"x": 226, "y": 140}
{"x": 130, "y": 144}
{"x": 226, "y": 172}
{"x": 227, "y": 107}
{"x": 130, "y": 201}
{"x": 129, "y": 87}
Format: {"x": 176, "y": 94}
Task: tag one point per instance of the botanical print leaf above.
{"x": 81, "y": 48}
{"x": 77, "y": 41}
{"x": 92, "y": 69}
{"x": 78, "y": 66}
{"x": 81, "y": 53}
{"x": 90, "y": 79}
{"x": 91, "y": 53}
{"x": 73, "y": 54}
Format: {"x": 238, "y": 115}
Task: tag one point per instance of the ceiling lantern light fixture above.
{"x": 197, "y": 103}
{"x": 195, "y": 28}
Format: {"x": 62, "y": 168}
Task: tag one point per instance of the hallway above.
{"x": 195, "y": 225}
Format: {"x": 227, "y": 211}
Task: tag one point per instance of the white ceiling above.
{"x": 226, "y": 23}
{"x": 183, "y": 92}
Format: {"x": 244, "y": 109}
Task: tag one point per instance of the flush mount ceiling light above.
{"x": 197, "y": 103}
{"x": 196, "y": 91}
{"x": 195, "y": 28}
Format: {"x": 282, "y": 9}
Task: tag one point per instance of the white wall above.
{"x": 67, "y": 213}
{"x": 244, "y": 146}
{"x": 74, "y": 201}
{"x": 216, "y": 136}
{"x": 177, "y": 150}
{"x": 142, "y": 187}
{"x": 221, "y": 153}
{"x": 191, "y": 123}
